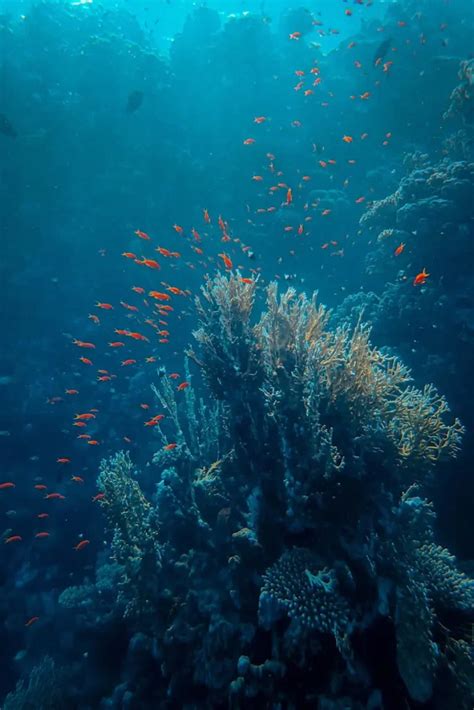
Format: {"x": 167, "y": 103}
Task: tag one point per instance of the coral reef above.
{"x": 285, "y": 553}
{"x": 44, "y": 689}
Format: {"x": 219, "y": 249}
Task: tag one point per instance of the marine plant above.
{"x": 291, "y": 522}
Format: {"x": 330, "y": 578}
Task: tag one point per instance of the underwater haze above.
{"x": 236, "y": 348}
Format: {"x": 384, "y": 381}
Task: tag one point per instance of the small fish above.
{"x": 7, "y": 484}
{"x": 420, "y": 278}
{"x": 399, "y": 249}
{"x": 151, "y": 263}
{"x": 85, "y": 417}
{"x": 294, "y": 35}
{"x": 289, "y": 196}
{"x": 32, "y": 621}
{"x": 142, "y": 235}
{"x": 40, "y": 487}
{"x": 381, "y": 52}
{"x": 134, "y": 101}
{"x": 249, "y": 141}
{"x": 259, "y": 119}
{"x": 72, "y": 391}
{"x": 42, "y": 516}
{"x": 63, "y": 460}
{"x": 129, "y": 255}
{"x": 116, "y": 344}
{"x": 130, "y": 361}
{"x": 170, "y": 447}
{"x": 206, "y": 217}
{"x": 93, "y": 442}
{"x": 159, "y": 296}
{"x": 347, "y": 139}
{"x": 182, "y": 386}
{"x": 82, "y": 344}
{"x": 80, "y": 545}
{"x": 99, "y": 496}
{"x": 85, "y": 360}
{"x": 77, "y": 479}
{"x": 54, "y": 496}
{"x": 227, "y": 261}
{"x": 13, "y": 538}
{"x": 42, "y": 534}
{"x": 104, "y": 306}
{"x": 138, "y": 289}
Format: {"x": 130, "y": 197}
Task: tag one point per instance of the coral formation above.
{"x": 241, "y": 570}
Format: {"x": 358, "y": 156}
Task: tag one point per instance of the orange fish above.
{"x": 128, "y": 306}
{"x": 72, "y": 391}
{"x": 42, "y": 516}
{"x": 80, "y": 545}
{"x": 142, "y": 235}
{"x": 32, "y": 621}
{"x": 289, "y": 196}
{"x": 86, "y": 416}
{"x": 138, "y": 289}
{"x": 249, "y": 141}
{"x": 85, "y": 360}
{"x": 178, "y": 228}
{"x": 170, "y": 447}
{"x": 77, "y": 479}
{"x": 93, "y": 442}
{"x": 420, "y": 278}
{"x": 7, "y": 484}
{"x": 116, "y": 344}
{"x": 227, "y": 261}
{"x": 95, "y": 319}
{"x": 151, "y": 263}
{"x": 40, "y": 487}
{"x": 294, "y": 35}
{"x": 104, "y": 306}
{"x": 245, "y": 280}
{"x": 42, "y": 534}
{"x": 347, "y": 139}
{"x": 63, "y": 460}
{"x": 182, "y": 386}
{"x": 128, "y": 362}
{"x": 159, "y": 295}
{"x": 54, "y": 496}
{"x": 399, "y": 249}
{"x": 13, "y": 538}
{"x": 129, "y": 255}
{"x": 206, "y": 217}
{"x": 99, "y": 496}
{"x": 82, "y": 344}
{"x": 259, "y": 119}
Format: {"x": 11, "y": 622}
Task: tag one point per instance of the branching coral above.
{"x": 45, "y": 689}
{"x": 303, "y": 508}
{"x": 135, "y": 535}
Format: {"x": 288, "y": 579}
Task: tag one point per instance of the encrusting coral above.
{"x": 308, "y": 529}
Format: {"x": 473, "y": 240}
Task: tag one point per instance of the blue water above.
{"x": 326, "y": 148}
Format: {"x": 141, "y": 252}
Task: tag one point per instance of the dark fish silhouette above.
{"x": 381, "y": 51}
{"x": 135, "y": 100}
{"x": 6, "y": 127}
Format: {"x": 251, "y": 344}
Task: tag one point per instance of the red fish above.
{"x": 7, "y": 484}
{"x": 99, "y": 496}
{"x": 142, "y": 235}
{"x": 347, "y": 139}
{"x": 82, "y": 344}
{"x": 227, "y": 261}
{"x": 170, "y": 447}
{"x": 63, "y": 460}
{"x": 85, "y": 360}
{"x": 104, "y": 306}
{"x": 151, "y": 263}
{"x": 42, "y": 534}
{"x": 182, "y": 386}
{"x": 130, "y": 361}
{"x": 138, "y": 289}
{"x": 399, "y": 249}
{"x": 206, "y": 217}
{"x": 129, "y": 255}
{"x": 80, "y": 545}
{"x": 159, "y": 295}
{"x": 32, "y": 621}
{"x": 72, "y": 391}
{"x": 249, "y": 141}
{"x": 54, "y": 496}
{"x": 86, "y": 416}
{"x": 13, "y": 538}
{"x": 420, "y": 278}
